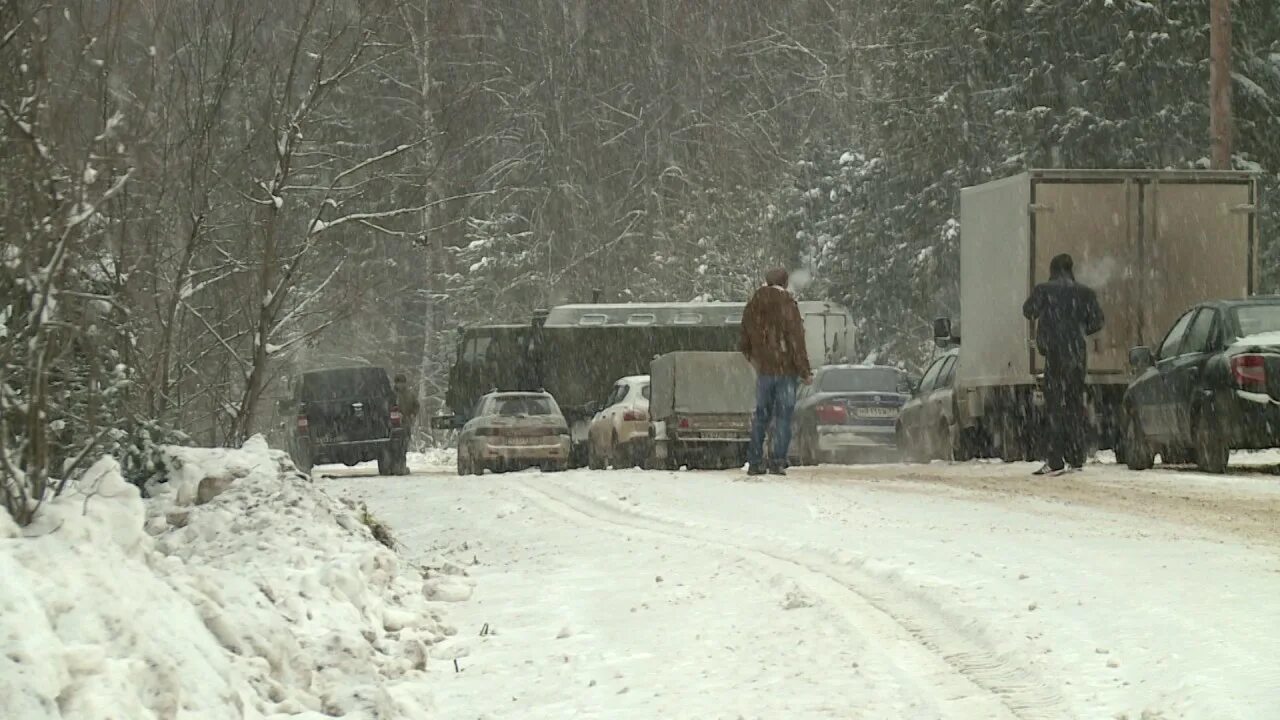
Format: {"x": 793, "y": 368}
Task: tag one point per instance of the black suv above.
{"x": 347, "y": 415}
{"x": 1212, "y": 386}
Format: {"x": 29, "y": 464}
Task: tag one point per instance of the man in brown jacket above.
{"x": 773, "y": 342}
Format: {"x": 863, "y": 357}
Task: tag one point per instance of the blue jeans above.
{"x": 775, "y": 400}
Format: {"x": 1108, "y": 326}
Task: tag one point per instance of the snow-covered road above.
{"x": 963, "y": 591}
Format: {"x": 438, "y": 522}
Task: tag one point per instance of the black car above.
{"x": 1212, "y": 385}
{"x": 927, "y": 429}
{"x": 348, "y": 416}
{"x": 848, "y": 412}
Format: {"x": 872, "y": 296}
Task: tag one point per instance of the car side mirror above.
{"x": 1140, "y": 358}
{"x": 942, "y": 329}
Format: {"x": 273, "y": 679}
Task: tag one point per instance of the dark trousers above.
{"x": 1064, "y": 409}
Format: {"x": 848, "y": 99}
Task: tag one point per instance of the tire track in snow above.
{"x": 969, "y": 678}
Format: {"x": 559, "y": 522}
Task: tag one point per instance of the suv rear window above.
{"x": 344, "y": 384}
{"x": 524, "y": 405}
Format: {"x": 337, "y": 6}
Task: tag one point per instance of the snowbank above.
{"x": 249, "y": 594}
{"x": 434, "y": 459}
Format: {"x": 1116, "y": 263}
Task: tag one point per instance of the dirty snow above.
{"x": 964, "y": 591}
{"x": 250, "y": 594}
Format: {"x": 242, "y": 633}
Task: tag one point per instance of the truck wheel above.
{"x": 302, "y": 460}
{"x": 1008, "y": 441}
{"x": 1137, "y": 454}
{"x": 386, "y": 463}
{"x": 1211, "y": 449}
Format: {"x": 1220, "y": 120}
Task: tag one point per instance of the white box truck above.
{"x": 1150, "y": 243}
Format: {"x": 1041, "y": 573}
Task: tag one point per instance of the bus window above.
{"x": 687, "y": 318}
{"x": 593, "y": 319}
{"x": 641, "y": 319}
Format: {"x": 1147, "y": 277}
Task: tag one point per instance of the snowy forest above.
{"x": 199, "y": 198}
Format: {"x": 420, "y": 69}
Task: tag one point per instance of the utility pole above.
{"x": 1220, "y": 84}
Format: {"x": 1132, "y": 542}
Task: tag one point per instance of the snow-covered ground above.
{"x": 238, "y": 591}
{"x": 896, "y": 591}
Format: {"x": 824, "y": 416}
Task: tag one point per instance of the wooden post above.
{"x": 1220, "y": 83}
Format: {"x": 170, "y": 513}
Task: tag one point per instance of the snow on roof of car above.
{"x": 1266, "y": 338}
{"x": 634, "y": 379}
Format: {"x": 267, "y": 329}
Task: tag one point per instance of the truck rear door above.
{"x": 1198, "y": 246}
{"x": 1093, "y": 221}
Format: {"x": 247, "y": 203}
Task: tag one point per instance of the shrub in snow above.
{"x": 143, "y": 454}
{"x": 268, "y": 600}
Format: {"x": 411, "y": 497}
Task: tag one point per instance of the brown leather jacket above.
{"x": 773, "y": 334}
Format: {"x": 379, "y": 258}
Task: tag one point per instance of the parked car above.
{"x": 513, "y": 431}
{"x": 619, "y": 433}
{"x": 346, "y": 415}
{"x": 1212, "y": 385}
{"x": 927, "y": 427}
{"x": 848, "y": 412}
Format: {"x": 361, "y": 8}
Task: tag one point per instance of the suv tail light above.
{"x": 1250, "y": 372}
{"x": 303, "y": 424}
{"x": 832, "y": 414}
{"x": 395, "y": 416}
{"x": 633, "y": 416}
{"x": 684, "y": 423}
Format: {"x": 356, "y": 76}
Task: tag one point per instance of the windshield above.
{"x": 517, "y": 406}
{"x": 860, "y": 380}
{"x": 1258, "y": 319}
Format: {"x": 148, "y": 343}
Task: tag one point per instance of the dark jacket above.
{"x": 773, "y": 333}
{"x": 407, "y": 400}
{"x": 1065, "y": 312}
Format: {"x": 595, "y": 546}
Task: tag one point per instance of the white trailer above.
{"x": 1150, "y": 243}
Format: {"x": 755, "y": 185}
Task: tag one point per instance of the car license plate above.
{"x": 876, "y": 412}
{"x": 523, "y": 441}
{"x": 720, "y": 435}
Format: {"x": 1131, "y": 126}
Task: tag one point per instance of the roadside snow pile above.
{"x": 258, "y": 597}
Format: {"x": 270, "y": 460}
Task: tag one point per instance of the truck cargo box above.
{"x": 701, "y": 383}
{"x": 1150, "y": 243}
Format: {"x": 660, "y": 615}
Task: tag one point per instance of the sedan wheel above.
{"x": 1211, "y": 449}
{"x": 1138, "y": 454}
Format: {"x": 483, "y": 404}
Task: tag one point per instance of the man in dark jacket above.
{"x": 773, "y": 342}
{"x": 1065, "y": 312}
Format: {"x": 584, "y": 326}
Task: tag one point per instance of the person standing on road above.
{"x": 1065, "y": 313}
{"x": 773, "y": 342}
{"x": 407, "y": 401}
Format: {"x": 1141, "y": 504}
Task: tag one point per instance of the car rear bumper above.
{"x": 495, "y": 452}
{"x": 1254, "y": 422}
{"x": 841, "y": 437}
{"x": 364, "y": 450}
{"x": 630, "y": 432}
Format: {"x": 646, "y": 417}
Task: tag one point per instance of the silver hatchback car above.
{"x": 513, "y": 431}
